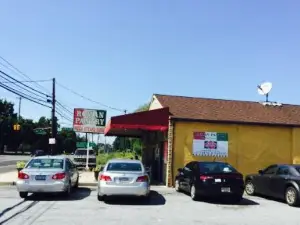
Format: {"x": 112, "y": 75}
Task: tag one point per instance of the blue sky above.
{"x": 121, "y": 52}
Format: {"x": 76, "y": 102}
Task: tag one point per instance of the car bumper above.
{"x": 142, "y": 189}
{"x": 217, "y": 192}
{"x": 23, "y": 186}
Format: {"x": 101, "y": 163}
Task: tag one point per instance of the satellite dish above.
{"x": 264, "y": 89}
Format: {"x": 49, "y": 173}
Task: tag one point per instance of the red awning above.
{"x": 132, "y": 125}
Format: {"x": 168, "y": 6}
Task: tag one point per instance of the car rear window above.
{"x": 46, "y": 163}
{"x": 84, "y": 152}
{"x": 119, "y": 166}
{"x": 216, "y": 167}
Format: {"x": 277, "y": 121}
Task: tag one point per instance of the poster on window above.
{"x": 210, "y": 144}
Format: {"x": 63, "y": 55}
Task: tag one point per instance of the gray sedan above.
{"x": 52, "y": 174}
{"x": 123, "y": 177}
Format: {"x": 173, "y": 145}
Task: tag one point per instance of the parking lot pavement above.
{"x": 168, "y": 208}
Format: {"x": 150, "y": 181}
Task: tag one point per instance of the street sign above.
{"x": 67, "y": 129}
{"x": 84, "y": 145}
{"x": 52, "y": 141}
{"x": 89, "y": 120}
{"x": 40, "y": 131}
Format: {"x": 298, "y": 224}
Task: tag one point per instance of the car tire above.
{"x": 100, "y": 198}
{"x": 193, "y": 193}
{"x": 67, "y": 192}
{"x": 23, "y": 194}
{"x": 250, "y": 188}
{"x": 77, "y": 183}
{"x": 292, "y": 196}
{"x": 177, "y": 186}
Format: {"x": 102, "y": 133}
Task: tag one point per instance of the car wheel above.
{"x": 177, "y": 186}
{"x": 100, "y": 198}
{"x": 68, "y": 191}
{"x": 77, "y": 183}
{"x": 23, "y": 194}
{"x": 249, "y": 188}
{"x": 193, "y": 193}
{"x": 291, "y": 196}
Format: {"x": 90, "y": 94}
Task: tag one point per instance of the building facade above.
{"x": 248, "y": 135}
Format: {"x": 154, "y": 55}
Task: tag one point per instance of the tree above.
{"x": 123, "y": 143}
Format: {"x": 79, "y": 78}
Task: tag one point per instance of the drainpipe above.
{"x": 170, "y": 163}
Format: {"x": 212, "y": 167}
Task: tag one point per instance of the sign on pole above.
{"x": 89, "y": 120}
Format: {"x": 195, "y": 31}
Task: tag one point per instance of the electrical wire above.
{"x": 21, "y": 73}
{"x": 63, "y": 116}
{"x": 19, "y": 86}
{"x": 88, "y": 99}
{"x": 64, "y": 107}
{"x": 22, "y": 95}
{"x": 23, "y": 84}
{"x": 26, "y": 81}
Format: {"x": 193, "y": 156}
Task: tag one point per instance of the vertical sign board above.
{"x": 89, "y": 120}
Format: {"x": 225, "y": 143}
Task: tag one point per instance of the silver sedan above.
{"x": 53, "y": 174}
{"x": 123, "y": 177}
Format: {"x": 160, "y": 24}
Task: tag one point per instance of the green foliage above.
{"x": 20, "y": 164}
{"x": 103, "y": 158}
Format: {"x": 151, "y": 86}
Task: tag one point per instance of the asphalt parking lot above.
{"x": 167, "y": 207}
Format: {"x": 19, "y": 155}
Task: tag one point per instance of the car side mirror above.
{"x": 260, "y": 172}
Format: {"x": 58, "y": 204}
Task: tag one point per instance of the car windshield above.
{"x": 216, "y": 167}
{"x": 123, "y": 166}
{"x": 46, "y": 163}
{"x": 297, "y": 168}
{"x": 84, "y": 152}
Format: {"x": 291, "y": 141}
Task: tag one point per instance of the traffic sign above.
{"x": 84, "y": 145}
{"x": 67, "y": 129}
{"x": 40, "y": 131}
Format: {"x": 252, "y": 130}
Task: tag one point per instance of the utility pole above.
{"x": 20, "y": 100}
{"x": 53, "y": 118}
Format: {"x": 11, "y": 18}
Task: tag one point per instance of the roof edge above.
{"x": 233, "y": 122}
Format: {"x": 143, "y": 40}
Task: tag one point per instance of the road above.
{"x": 169, "y": 208}
{"x": 8, "y": 162}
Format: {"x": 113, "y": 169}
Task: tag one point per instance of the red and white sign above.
{"x": 89, "y": 120}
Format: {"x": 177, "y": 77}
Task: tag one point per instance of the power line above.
{"x": 63, "y": 116}
{"x": 64, "y": 107}
{"x": 25, "y": 81}
{"x": 22, "y": 95}
{"x": 16, "y": 84}
{"x": 23, "y": 84}
{"x": 86, "y": 98}
{"x": 21, "y": 73}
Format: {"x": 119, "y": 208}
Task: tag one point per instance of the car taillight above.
{"x": 23, "y": 176}
{"x": 142, "y": 179}
{"x": 204, "y": 178}
{"x": 104, "y": 178}
{"x": 59, "y": 176}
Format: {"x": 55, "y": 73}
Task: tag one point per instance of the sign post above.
{"x": 89, "y": 121}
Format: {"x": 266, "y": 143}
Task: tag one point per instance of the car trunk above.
{"x": 123, "y": 177}
{"x": 37, "y": 175}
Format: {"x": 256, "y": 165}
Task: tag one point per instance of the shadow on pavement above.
{"x": 30, "y": 205}
{"x": 228, "y": 201}
{"x": 76, "y": 195}
{"x": 154, "y": 199}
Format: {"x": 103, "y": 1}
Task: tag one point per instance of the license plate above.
{"x": 40, "y": 177}
{"x": 123, "y": 179}
{"x": 227, "y": 189}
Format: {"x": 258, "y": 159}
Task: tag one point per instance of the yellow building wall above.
{"x": 250, "y": 147}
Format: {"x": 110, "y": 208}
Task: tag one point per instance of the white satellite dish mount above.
{"x": 264, "y": 89}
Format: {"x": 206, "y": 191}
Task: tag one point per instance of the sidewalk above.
{"x": 85, "y": 179}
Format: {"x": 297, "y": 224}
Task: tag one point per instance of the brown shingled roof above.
{"x": 230, "y": 110}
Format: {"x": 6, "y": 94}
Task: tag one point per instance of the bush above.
{"x": 104, "y": 157}
{"x": 20, "y": 164}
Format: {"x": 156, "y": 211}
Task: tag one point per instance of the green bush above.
{"x": 20, "y": 164}
{"x": 104, "y": 157}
